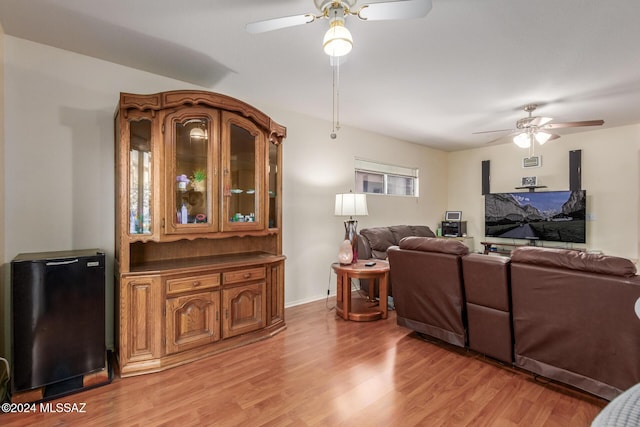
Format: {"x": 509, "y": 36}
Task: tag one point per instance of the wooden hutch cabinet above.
{"x": 199, "y": 263}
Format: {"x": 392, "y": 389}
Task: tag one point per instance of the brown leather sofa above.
{"x": 487, "y": 291}
{"x": 574, "y": 320}
{"x": 373, "y": 243}
{"x": 428, "y": 293}
{"x": 563, "y": 314}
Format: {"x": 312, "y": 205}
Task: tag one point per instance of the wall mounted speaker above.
{"x": 486, "y": 177}
{"x": 575, "y": 170}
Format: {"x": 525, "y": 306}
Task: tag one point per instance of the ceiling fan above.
{"x": 529, "y": 129}
{"x": 338, "y": 41}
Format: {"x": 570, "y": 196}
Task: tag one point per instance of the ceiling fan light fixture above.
{"x": 542, "y": 137}
{"x": 337, "y": 40}
{"x": 522, "y": 140}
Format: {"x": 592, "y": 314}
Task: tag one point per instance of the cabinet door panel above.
{"x": 138, "y": 169}
{"x": 191, "y": 168}
{"x": 275, "y": 292}
{"x": 274, "y": 215}
{"x": 140, "y": 177}
{"x": 244, "y": 308}
{"x": 192, "y": 320}
{"x": 244, "y": 179}
{"x": 140, "y": 319}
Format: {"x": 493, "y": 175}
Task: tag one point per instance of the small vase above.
{"x": 200, "y": 186}
{"x": 345, "y": 254}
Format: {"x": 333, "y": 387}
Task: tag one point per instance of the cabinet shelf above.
{"x": 206, "y": 263}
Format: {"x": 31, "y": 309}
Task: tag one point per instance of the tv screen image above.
{"x": 546, "y": 215}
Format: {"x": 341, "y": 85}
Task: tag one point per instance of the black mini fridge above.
{"x": 58, "y": 328}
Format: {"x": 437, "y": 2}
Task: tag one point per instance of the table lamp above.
{"x": 351, "y": 204}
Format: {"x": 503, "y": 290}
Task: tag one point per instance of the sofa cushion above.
{"x": 430, "y": 244}
{"x": 400, "y": 232}
{"x": 380, "y": 238}
{"x": 574, "y": 260}
{"x": 421, "y": 231}
{"x": 376, "y": 240}
{"x": 487, "y": 280}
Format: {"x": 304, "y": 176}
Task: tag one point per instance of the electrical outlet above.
{"x": 591, "y": 217}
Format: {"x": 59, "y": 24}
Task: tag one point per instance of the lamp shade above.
{"x": 351, "y": 204}
{"x": 337, "y": 40}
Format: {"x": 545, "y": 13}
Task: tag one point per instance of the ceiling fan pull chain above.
{"x": 337, "y": 93}
{"x": 335, "y": 101}
{"x": 532, "y": 146}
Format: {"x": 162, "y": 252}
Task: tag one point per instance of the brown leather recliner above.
{"x": 428, "y": 293}
{"x": 574, "y": 320}
{"x": 487, "y": 290}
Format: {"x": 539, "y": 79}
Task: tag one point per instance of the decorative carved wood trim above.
{"x": 178, "y": 98}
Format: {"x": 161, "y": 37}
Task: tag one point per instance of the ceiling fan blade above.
{"x": 403, "y": 9}
{"x": 540, "y": 121}
{"x": 503, "y": 137}
{"x": 573, "y": 124}
{"x": 492, "y": 131}
{"x": 279, "y": 23}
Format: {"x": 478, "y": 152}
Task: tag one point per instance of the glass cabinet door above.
{"x": 140, "y": 178}
{"x": 191, "y": 171}
{"x": 243, "y": 174}
{"x": 274, "y": 181}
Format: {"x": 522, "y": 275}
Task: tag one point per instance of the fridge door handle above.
{"x": 70, "y": 261}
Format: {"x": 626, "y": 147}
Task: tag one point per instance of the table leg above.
{"x": 384, "y": 294}
{"x": 372, "y": 290}
{"x": 338, "y": 289}
{"x": 346, "y": 296}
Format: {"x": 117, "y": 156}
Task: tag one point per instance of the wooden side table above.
{"x": 362, "y": 309}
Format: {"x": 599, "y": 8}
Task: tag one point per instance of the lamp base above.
{"x": 345, "y": 254}
{"x": 351, "y": 234}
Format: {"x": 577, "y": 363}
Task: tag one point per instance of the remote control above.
{"x": 369, "y": 264}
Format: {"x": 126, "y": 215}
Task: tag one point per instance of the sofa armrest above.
{"x": 364, "y": 248}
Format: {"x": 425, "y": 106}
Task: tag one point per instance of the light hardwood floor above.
{"x": 324, "y": 371}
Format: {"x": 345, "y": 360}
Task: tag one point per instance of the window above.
{"x": 380, "y": 178}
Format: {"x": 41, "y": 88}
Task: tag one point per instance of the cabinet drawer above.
{"x": 184, "y": 284}
{"x": 243, "y": 275}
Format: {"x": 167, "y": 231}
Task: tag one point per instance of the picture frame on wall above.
{"x": 532, "y": 162}
{"x": 529, "y": 181}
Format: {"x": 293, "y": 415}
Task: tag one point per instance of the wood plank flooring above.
{"x": 324, "y": 371}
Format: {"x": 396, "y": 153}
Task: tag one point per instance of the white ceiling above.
{"x": 470, "y": 65}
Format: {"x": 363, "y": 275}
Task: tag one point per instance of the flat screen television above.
{"x": 557, "y": 216}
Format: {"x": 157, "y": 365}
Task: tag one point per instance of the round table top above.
{"x": 381, "y": 266}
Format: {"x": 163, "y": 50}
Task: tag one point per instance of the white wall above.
{"x": 316, "y": 168}
{"x": 59, "y": 148}
{"x": 59, "y": 167}
{"x": 610, "y": 160}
